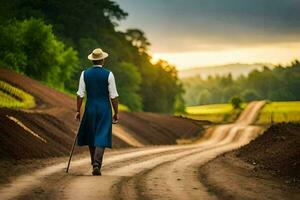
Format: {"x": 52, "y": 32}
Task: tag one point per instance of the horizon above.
{"x": 205, "y": 33}
{"x": 229, "y": 64}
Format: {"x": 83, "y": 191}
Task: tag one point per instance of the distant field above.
{"x": 12, "y": 97}
{"x": 288, "y": 111}
{"x": 217, "y": 113}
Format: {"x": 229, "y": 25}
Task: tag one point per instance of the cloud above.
{"x": 192, "y": 25}
{"x": 275, "y": 54}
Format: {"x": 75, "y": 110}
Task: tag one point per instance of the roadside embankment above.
{"x": 266, "y": 168}
{"x": 48, "y": 129}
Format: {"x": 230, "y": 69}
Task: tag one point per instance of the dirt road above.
{"x": 154, "y": 172}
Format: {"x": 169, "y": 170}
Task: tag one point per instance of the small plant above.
{"x": 12, "y": 97}
{"x": 236, "y": 102}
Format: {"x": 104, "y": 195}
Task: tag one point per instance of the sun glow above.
{"x": 281, "y": 53}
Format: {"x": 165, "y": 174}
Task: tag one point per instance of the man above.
{"x": 96, "y": 125}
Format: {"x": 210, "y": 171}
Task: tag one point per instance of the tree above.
{"x": 278, "y": 84}
{"x": 236, "y": 102}
{"x": 87, "y": 24}
{"x": 138, "y": 39}
{"x": 30, "y": 47}
{"x": 250, "y": 95}
{"x": 128, "y": 81}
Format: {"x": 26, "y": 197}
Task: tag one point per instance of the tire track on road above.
{"x": 27, "y": 183}
{"x": 142, "y": 173}
{"x": 162, "y": 183}
{"x": 178, "y": 179}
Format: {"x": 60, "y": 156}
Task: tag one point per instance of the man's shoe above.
{"x": 96, "y": 170}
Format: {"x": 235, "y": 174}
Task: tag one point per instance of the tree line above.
{"x": 279, "y": 84}
{"x": 50, "y": 40}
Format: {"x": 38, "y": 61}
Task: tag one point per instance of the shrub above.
{"x": 236, "y": 102}
{"x": 30, "y": 47}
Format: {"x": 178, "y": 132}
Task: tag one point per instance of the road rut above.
{"x": 153, "y": 172}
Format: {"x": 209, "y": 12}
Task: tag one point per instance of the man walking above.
{"x": 96, "y": 125}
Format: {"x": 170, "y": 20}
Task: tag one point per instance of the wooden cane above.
{"x": 74, "y": 143}
{"x": 72, "y": 150}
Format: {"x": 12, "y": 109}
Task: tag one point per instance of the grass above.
{"x": 123, "y": 107}
{"x": 217, "y": 113}
{"x": 286, "y": 111}
{"x": 12, "y": 97}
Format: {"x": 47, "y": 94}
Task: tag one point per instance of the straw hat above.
{"x": 97, "y": 54}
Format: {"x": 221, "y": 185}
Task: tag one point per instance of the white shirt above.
{"x": 112, "y": 89}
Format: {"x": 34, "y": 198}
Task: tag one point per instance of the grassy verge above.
{"x": 288, "y": 111}
{"x": 217, "y": 113}
{"x": 12, "y": 97}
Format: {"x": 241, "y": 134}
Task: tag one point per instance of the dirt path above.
{"x": 155, "y": 172}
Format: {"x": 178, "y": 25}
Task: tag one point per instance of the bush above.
{"x": 236, "y": 102}
{"x": 30, "y": 47}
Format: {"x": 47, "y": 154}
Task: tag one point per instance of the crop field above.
{"x": 217, "y": 113}
{"x": 288, "y": 111}
{"x": 12, "y": 97}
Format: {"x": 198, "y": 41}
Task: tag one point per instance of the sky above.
{"x": 200, "y": 33}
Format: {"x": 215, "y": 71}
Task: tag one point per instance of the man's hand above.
{"x": 115, "y": 118}
{"x": 115, "y": 104}
{"x": 77, "y": 116}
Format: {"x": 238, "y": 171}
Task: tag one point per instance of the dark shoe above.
{"x": 96, "y": 170}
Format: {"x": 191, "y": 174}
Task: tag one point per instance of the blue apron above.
{"x": 96, "y": 124}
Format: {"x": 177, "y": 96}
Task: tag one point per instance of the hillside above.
{"x": 235, "y": 70}
{"x": 48, "y": 129}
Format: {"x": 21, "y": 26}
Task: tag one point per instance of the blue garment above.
{"x": 96, "y": 124}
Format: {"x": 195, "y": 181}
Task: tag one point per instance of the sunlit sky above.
{"x": 198, "y": 33}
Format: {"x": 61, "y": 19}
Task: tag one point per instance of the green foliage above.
{"x": 250, "y": 95}
{"x": 161, "y": 88}
{"x": 12, "y": 97}
{"x": 236, "y": 102}
{"x": 280, "y": 112}
{"x": 278, "y": 84}
{"x": 85, "y": 25}
{"x": 31, "y": 48}
{"x": 128, "y": 80}
{"x": 138, "y": 39}
{"x": 179, "y": 102}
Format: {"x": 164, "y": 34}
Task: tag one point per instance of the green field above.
{"x": 288, "y": 111}
{"x": 12, "y": 97}
{"x": 217, "y": 113}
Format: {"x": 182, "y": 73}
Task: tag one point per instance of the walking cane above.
{"x": 72, "y": 150}
{"x": 74, "y": 143}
